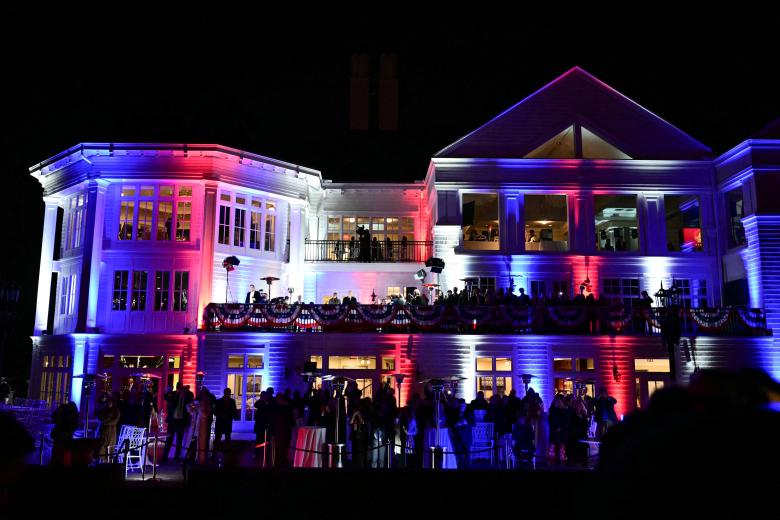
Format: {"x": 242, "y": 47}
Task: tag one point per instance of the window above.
{"x": 683, "y": 223}
{"x": 162, "y": 281}
{"x": 72, "y": 295}
{"x": 239, "y": 224}
{"x": 180, "y": 290}
{"x": 185, "y": 191}
{"x": 388, "y": 363}
{"x": 484, "y": 364}
{"x": 270, "y": 232}
{"x": 574, "y": 375}
{"x": 492, "y": 378}
{"x": 138, "y": 298}
{"x": 625, "y": 289}
{"x": 224, "y": 224}
{"x": 352, "y": 362}
{"x": 616, "y": 223}
{"x": 651, "y": 365}
{"x": 183, "y": 221}
{"x": 503, "y": 364}
{"x": 166, "y": 191}
{"x": 546, "y": 223}
{"x": 145, "y": 212}
{"x": 126, "y": 215}
{"x": 64, "y": 288}
{"x": 245, "y": 382}
{"x": 134, "y": 361}
{"x": 480, "y": 221}
{"x": 255, "y": 231}
{"x": 735, "y": 210}
{"x": 164, "y": 220}
{"x": 317, "y": 360}
{"x": 119, "y": 295}
{"x": 55, "y": 379}
{"x": 74, "y": 219}
{"x": 107, "y": 361}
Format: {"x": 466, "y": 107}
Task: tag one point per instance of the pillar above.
{"x": 46, "y": 265}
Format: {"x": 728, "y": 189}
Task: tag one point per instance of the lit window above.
{"x": 546, "y": 223}
{"x": 183, "y": 221}
{"x": 126, "y": 217}
{"x": 185, "y": 191}
{"x": 254, "y": 361}
{"x": 235, "y": 361}
{"x": 128, "y": 191}
{"x": 484, "y": 364}
{"x": 166, "y": 191}
{"x": 388, "y": 363}
{"x": 239, "y": 223}
{"x": 503, "y": 365}
{"x": 352, "y": 362}
{"x": 145, "y": 212}
{"x": 683, "y": 223}
{"x": 270, "y": 232}
{"x": 164, "y": 220}
{"x": 224, "y": 225}
{"x": 651, "y": 365}
{"x": 616, "y": 223}
{"x": 562, "y": 365}
{"x": 480, "y": 223}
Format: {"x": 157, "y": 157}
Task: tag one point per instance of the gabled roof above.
{"x": 578, "y": 97}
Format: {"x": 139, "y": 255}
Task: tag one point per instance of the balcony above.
{"x": 380, "y": 251}
{"x": 477, "y": 319}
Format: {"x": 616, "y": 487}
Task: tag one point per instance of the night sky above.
{"x": 285, "y": 94}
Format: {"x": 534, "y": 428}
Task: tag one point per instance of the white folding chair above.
{"x": 130, "y": 448}
{"x": 482, "y": 442}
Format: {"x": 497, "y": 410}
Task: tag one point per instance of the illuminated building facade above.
{"x": 575, "y": 186}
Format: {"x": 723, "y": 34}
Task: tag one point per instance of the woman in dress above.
{"x": 203, "y": 424}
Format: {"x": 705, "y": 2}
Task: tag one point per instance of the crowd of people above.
{"x": 365, "y": 248}
{"x": 368, "y": 423}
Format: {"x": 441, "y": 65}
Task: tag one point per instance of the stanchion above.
{"x": 154, "y": 462}
{"x": 389, "y": 453}
{"x": 335, "y": 455}
{"x": 43, "y": 443}
{"x": 265, "y": 446}
{"x": 437, "y": 457}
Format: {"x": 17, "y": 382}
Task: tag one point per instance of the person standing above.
{"x": 108, "y": 416}
{"x": 178, "y": 419}
{"x": 252, "y": 296}
{"x": 226, "y": 412}
{"x": 203, "y": 424}
{"x": 604, "y": 411}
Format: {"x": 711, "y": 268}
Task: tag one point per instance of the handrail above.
{"x": 381, "y": 251}
{"x": 492, "y": 319}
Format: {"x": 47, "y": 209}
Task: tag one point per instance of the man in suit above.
{"x": 226, "y": 412}
{"x": 252, "y": 296}
{"x": 178, "y": 418}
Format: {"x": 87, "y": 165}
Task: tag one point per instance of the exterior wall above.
{"x": 422, "y": 356}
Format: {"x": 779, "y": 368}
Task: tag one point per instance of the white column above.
{"x": 47, "y": 262}
{"x": 296, "y": 264}
{"x": 207, "y": 248}
{"x": 89, "y": 284}
{"x": 654, "y": 226}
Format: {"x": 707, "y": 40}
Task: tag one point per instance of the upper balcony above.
{"x": 481, "y": 319}
{"x": 386, "y": 251}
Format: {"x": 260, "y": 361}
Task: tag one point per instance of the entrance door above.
{"x": 245, "y": 387}
{"x": 646, "y": 385}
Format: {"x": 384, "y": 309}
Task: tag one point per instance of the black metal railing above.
{"x": 380, "y": 251}
{"x": 493, "y": 319}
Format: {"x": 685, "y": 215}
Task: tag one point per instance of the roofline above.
{"x": 589, "y": 76}
{"x": 416, "y": 185}
{"x": 743, "y": 147}
{"x": 185, "y": 147}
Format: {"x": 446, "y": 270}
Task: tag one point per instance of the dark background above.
{"x": 281, "y": 89}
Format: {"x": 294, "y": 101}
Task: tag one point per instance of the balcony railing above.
{"x": 482, "y": 319}
{"x": 379, "y": 251}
